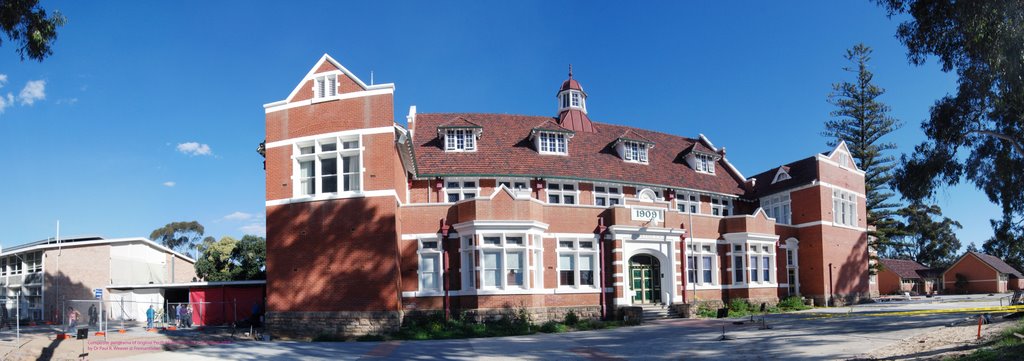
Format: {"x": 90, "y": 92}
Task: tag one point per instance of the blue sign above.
{"x": 98, "y": 292}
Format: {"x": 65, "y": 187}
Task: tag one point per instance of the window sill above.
{"x": 581, "y": 289}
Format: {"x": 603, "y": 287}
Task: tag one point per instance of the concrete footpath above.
{"x": 836, "y": 333}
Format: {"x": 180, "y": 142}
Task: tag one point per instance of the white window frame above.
{"x": 325, "y": 86}
{"x": 353, "y": 180}
{"x": 467, "y": 257}
{"x": 688, "y": 202}
{"x": 560, "y": 192}
{"x": 844, "y": 208}
{"x": 462, "y": 188}
{"x": 577, "y": 251}
{"x": 778, "y": 206}
{"x": 705, "y": 163}
{"x": 721, "y": 206}
{"x": 556, "y": 143}
{"x": 423, "y": 254}
{"x": 634, "y": 152}
{"x": 503, "y": 249}
{"x": 603, "y": 193}
{"x": 460, "y": 139}
{"x": 700, "y": 250}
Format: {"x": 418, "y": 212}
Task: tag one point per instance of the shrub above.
{"x": 739, "y": 306}
{"x": 792, "y": 303}
{"x": 705, "y": 310}
{"x": 552, "y": 327}
{"x": 571, "y": 318}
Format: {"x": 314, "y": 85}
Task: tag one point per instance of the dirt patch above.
{"x": 941, "y": 343}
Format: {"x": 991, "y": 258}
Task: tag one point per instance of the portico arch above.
{"x": 649, "y": 277}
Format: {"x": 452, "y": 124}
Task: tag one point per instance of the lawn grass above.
{"x": 1005, "y": 347}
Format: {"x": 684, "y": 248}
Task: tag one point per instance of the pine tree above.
{"x": 861, "y": 120}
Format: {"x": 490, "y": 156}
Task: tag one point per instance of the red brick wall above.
{"x": 889, "y": 283}
{"x": 331, "y": 116}
{"x": 321, "y": 258}
{"x": 981, "y": 278}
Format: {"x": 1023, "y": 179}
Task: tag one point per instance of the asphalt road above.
{"x": 836, "y": 333}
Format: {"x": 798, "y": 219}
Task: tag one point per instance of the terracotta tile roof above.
{"x": 576, "y": 120}
{"x": 931, "y": 272}
{"x": 504, "y": 149}
{"x": 998, "y": 264}
{"x": 801, "y": 172}
{"x": 699, "y": 147}
{"x": 459, "y": 122}
{"x": 629, "y": 134}
{"x": 903, "y": 268}
{"x": 570, "y": 84}
{"x": 550, "y": 125}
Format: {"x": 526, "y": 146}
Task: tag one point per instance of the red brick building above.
{"x": 899, "y": 275}
{"x": 368, "y": 219}
{"x": 977, "y": 272}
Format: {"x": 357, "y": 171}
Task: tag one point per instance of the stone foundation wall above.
{"x": 308, "y": 325}
{"x": 538, "y": 315}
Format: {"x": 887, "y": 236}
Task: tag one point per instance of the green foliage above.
{"x": 792, "y": 303}
{"x": 553, "y": 327}
{"x": 179, "y": 236}
{"x": 230, "y": 259}
{"x": 25, "y": 23}
{"x": 925, "y": 240}
{"x": 215, "y": 263}
{"x": 705, "y": 310}
{"x": 739, "y": 307}
{"x": 861, "y": 120}
{"x": 977, "y": 133}
{"x": 571, "y": 318}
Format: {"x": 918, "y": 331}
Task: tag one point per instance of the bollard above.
{"x": 980, "y": 319}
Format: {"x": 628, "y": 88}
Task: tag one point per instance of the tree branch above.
{"x": 1015, "y": 143}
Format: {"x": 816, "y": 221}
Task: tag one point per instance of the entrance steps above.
{"x": 657, "y": 312}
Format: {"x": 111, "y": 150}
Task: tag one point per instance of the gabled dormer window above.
{"x": 325, "y": 86}
{"x": 781, "y": 175}
{"x": 460, "y": 140}
{"x": 705, "y": 163}
{"x": 634, "y": 151}
{"x": 553, "y": 143}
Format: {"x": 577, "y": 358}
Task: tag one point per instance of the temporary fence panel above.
{"x": 89, "y": 314}
{"x": 248, "y": 299}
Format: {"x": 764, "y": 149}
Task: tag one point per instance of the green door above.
{"x": 644, "y": 276}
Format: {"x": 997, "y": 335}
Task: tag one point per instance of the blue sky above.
{"x": 150, "y": 112}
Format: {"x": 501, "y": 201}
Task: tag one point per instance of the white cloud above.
{"x": 33, "y": 91}
{"x": 6, "y": 102}
{"x": 193, "y": 148}
{"x": 68, "y": 101}
{"x": 258, "y": 229}
{"x": 238, "y": 216}
{"x": 3, "y": 80}
{"x": 169, "y": 184}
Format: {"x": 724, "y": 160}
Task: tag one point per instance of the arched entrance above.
{"x": 645, "y": 278}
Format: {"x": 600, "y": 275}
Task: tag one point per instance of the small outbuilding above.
{"x": 898, "y": 276}
{"x": 977, "y": 272}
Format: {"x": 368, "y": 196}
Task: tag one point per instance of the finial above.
{"x": 570, "y": 71}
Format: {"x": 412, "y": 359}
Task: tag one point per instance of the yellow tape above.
{"x": 1017, "y": 308}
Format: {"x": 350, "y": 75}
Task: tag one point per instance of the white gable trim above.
{"x": 779, "y": 174}
{"x": 312, "y": 74}
{"x": 724, "y": 159}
